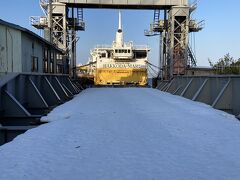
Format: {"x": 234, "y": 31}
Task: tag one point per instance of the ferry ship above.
{"x": 120, "y": 63}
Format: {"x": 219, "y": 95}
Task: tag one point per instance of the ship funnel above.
{"x": 119, "y": 35}
{"x": 120, "y": 22}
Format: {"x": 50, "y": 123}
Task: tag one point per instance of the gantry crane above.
{"x": 60, "y": 24}
{"x": 63, "y": 18}
{"x": 176, "y": 56}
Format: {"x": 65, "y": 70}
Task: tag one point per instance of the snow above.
{"x": 127, "y": 134}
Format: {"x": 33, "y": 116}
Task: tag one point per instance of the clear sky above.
{"x": 221, "y": 34}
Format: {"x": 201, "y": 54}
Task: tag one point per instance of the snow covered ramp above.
{"x": 127, "y": 134}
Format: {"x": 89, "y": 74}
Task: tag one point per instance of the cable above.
{"x": 153, "y": 65}
{"x": 154, "y": 70}
{"x": 151, "y": 74}
{"x": 156, "y": 73}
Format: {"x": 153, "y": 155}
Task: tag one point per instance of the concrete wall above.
{"x": 31, "y": 47}
{"x": 10, "y": 51}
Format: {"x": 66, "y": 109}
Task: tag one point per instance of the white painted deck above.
{"x": 127, "y": 134}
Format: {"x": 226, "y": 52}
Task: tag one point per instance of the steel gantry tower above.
{"x": 60, "y": 24}
{"x": 176, "y": 56}
{"x": 63, "y": 18}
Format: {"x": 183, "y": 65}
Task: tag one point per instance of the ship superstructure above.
{"x": 120, "y": 63}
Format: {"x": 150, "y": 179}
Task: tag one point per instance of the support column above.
{"x": 178, "y": 30}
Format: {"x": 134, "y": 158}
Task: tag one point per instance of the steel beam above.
{"x": 182, "y": 83}
{"x": 236, "y": 95}
{"x": 169, "y": 85}
{"x": 224, "y": 98}
{"x": 124, "y": 4}
{"x": 59, "y": 88}
{"x": 221, "y": 92}
{"x": 201, "y": 93}
{"x": 69, "y": 85}
{"x": 165, "y": 86}
{"x": 67, "y": 90}
{"x": 34, "y": 97}
{"x": 187, "y": 87}
{"x": 49, "y": 93}
{"x": 24, "y": 98}
{"x": 161, "y": 84}
{"x": 12, "y": 107}
{"x": 177, "y": 90}
{"x": 193, "y": 87}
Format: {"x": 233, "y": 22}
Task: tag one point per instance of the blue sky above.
{"x": 221, "y": 34}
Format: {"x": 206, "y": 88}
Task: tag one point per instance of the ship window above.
{"x": 103, "y": 55}
{"x": 125, "y": 51}
{"x": 140, "y": 55}
{"x": 129, "y": 51}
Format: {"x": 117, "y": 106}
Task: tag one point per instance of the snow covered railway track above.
{"x": 127, "y": 133}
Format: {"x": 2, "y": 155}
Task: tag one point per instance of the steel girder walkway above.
{"x": 25, "y": 98}
{"x": 220, "y": 92}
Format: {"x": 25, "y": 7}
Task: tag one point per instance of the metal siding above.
{"x": 39, "y": 53}
{"x": 10, "y": 51}
{"x": 28, "y": 52}
{"x": 17, "y": 63}
{"x": 3, "y": 59}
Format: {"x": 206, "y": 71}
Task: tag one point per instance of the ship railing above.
{"x": 141, "y": 47}
{"x": 126, "y": 45}
{"x": 103, "y": 46}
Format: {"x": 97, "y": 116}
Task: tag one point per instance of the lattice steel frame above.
{"x": 177, "y": 41}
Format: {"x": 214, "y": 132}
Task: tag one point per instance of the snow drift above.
{"x": 127, "y": 134}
